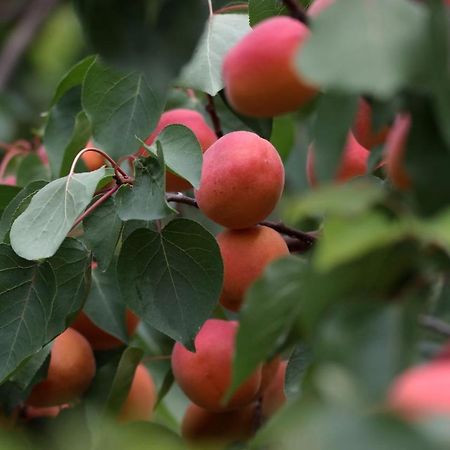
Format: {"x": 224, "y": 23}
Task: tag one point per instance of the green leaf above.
{"x": 27, "y": 294}
{"x": 102, "y": 230}
{"x": 16, "y": 206}
{"x": 172, "y": 279}
{"x": 36, "y": 233}
{"x": 32, "y": 169}
{"x": 270, "y": 309}
{"x": 335, "y": 113}
{"x": 299, "y": 362}
{"x": 7, "y": 193}
{"x": 182, "y": 152}
{"x": 146, "y": 199}
{"x": 120, "y": 106}
{"x": 105, "y": 306}
{"x": 260, "y": 10}
{"x": 221, "y": 33}
{"x": 283, "y": 135}
{"x": 373, "y": 47}
{"x": 72, "y": 268}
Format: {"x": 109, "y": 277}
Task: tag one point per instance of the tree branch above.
{"x": 296, "y": 11}
{"x": 21, "y": 37}
{"x": 434, "y": 324}
{"x": 297, "y": 241}
{"x": 211, "y": 110}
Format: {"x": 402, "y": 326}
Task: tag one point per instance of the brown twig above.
{"x": 211, "y": 110}
{"x": 296, "y": 11}
{"x": 434, "y": 324}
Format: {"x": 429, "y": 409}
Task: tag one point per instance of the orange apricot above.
{"x": 395, "y": 152}
{"x": 242, "y": 180}
{"x": 205, "y": 375}
{"x": 71, "y": 370}
{"x": 197, "y": 124}
{"x": 202, "y": 426}
{"x": 422, "y": 391}
{"x": 273, "y": 396}
{"x": 141, "y": 398}
{"x": 245, "y": 254}
{"x": 353, "y": 162}
{"x": 93, "y": 160}
{"x": 259, "y": 73}
{"x": 99, "y": 339}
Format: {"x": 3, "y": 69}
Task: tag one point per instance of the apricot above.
{"x": 363, "y": 128}
{"x": 141, "y": 398}
{"x": 71, "y": 370}
{"x": 99, "y": 339}
{"x": 269, "y": 371}
{"x": 259, "y": 73}
{"x": 242, "y": 180}
{"x": 422, "y": 391}
{"x": 245, "y": 254}
{"x": 395, "y": 152}
{"x": 273, "y": 396}
{"x": 353, "y": 162}
{"x": 202, "y": 426}
{"x": 318, "y": 6}
{"x": 92, "y": 160}
{"x": 205, "y": 375}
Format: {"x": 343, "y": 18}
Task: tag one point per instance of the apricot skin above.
{"x": 197, "y": 124}
{"x": 242, "y": 180}
{"x": 99, "y": 339}
{"x": 395, "y": 152}
{"x": 92, "y": 160}
{"x": 202, "y": 426}
{"x": 245, "y": 254}
{"x": 353, "y": 163}
{"x": 71, "y": 370}
{"x": 259, "y": 74}
{"x": 422, "y": 391}
{"x": 141, "y": 398}
{"x": 273, "y": 396}
{"x": 205, "y": 376}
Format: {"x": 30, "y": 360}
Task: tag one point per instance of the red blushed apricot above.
{"x": 242, "y": 180}
{"x": 93, "y": 160}
{"x": 245, "y": 254}
{"x": 395, "y": 152}
{"x": 205, "y": 375}
{"x": 259, "y": 73}
{"x": 141, "y": 398}
{"x": 363, "y": 128}
{"x": 353, "y": 163}
{"x": 197, "y": 124}
{"x": 318, "y": 6}
{"x": 99, "y": 339}
{"x": 71, "y": 370}
{"x": 273, "y": 396}
{"x": 202, "y": 426}
{"x": 422, "y": 391}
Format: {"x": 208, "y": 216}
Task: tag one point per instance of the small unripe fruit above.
{"x": 205, "y": 375}
{"x": 395, "y": 152}
{"x": 197, "y": 124}
{"x": 259, "y": 73}
{"x": 245, "y": 254}
{"x": 202, "y": 426}
{"x": 422, "y": 391}
{"x": 242, "y": 180}
{"x": 273, "y": 396}
{"x": 353, "y": 162}
{"x": 71, "y": 370}
{"x": 141, "y": 398}
{"x": 99, "y": 339}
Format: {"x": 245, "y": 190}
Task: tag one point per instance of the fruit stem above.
{"x": 211, "y": 110}
{"x": 296, "y": 11}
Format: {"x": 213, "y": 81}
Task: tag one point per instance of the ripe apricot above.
{"x": 318, "y": 6}
{"x": 274, "y": 396}
{"x": 353, "y": 162}
{"x": 395, "y": 152}
{"x": 197, "y": 124}
{"x": 363, "y": 128}
{"x": 245, "y": 254}
{"x": 242, "y": 180}
{"x": 71, "y": 369}
{"x": 141, "y": 398}
{"x": 422, "y": 391}
{"x": 202, "y": 426}
{"x": 259, "y": 73}
{"x": 99, "y": 339}
{"x": 205, "y": 375}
